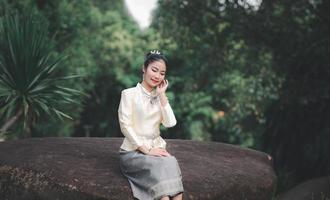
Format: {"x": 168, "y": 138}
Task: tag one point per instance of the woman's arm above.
{"x": 125, "y": 119}
{"x": 168, "y": 117}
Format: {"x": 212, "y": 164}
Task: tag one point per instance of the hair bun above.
{"x": 154, "y": 55}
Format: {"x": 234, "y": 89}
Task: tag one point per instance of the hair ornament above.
{"x": 155, "y": 52}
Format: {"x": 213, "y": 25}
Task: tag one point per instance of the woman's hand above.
{"x": 161, "y": 88}
{"x": 158, "y": 152}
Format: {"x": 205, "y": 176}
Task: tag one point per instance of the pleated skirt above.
{"x": 151, "y": 177}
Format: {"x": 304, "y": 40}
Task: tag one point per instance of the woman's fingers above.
{"x": 165, "y": 82}
{"x": 161, "y": 152}
{"x": 165, "y": 153}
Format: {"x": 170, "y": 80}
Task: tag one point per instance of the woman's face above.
{"x": 154, "y": 73}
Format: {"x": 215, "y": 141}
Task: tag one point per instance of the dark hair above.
{"x": 154, "y": 56}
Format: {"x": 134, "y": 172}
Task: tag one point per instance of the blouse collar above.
{"x": 145, "y": 90}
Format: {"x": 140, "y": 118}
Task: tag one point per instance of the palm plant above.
{"x": 28, "y": 86}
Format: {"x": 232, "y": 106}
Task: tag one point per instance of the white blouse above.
{"x": 140, "y": 114}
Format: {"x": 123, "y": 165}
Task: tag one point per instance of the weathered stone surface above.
{"x": 88, "y": 168}
{"x": 315, "y": 189}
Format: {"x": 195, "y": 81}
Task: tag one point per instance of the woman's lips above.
{"x": 154, "y": 81}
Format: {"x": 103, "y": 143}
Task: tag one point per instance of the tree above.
{"x": 227, "y": 82}
{"x": 28, "y": 86}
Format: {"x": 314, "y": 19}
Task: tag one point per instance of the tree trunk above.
{"x": 11, "y": 121}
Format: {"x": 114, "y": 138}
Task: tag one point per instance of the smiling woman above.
{"x": 153, "y": 173}
{"x": 141, "y": 11}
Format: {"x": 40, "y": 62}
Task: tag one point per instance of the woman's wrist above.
{"x": 144, "y": 149}
{"x": 163, "y": 95}
{"x": 163, "y": 98}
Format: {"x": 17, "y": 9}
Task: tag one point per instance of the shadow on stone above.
{"x": 315, "y": 189}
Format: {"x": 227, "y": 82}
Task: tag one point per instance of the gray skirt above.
{"x": 151, "y": 177}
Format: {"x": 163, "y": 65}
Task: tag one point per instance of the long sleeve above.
{"x": 168, "y": 117}
{"x": 125, "y": 119}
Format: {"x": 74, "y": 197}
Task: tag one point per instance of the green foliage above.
{"x": 27, "y": 64}
{"x": 236, "y": 79}
{"x": 103, "y": 45}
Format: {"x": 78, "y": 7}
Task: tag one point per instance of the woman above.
{"x": 151, "y": 171}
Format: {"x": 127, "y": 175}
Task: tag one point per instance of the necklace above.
{"x": 152, "y": 98}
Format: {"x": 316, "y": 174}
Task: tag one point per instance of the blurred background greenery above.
{"x": 255, "y": 76}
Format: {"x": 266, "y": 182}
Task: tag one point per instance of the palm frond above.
{"x": 27, "y": 65}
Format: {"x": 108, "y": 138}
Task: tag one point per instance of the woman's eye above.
{"x": 154, "y": 70}
{"x": 162, "y": 74}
